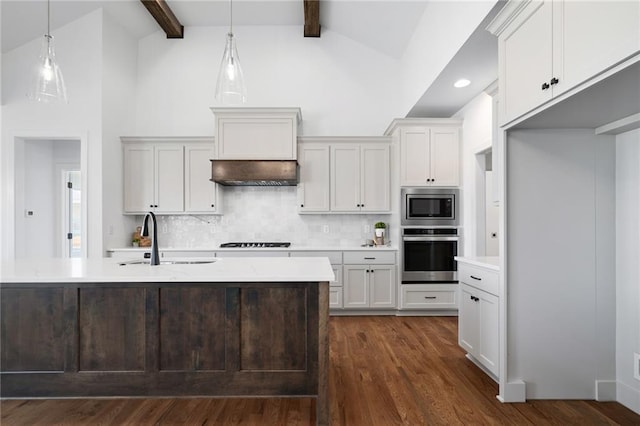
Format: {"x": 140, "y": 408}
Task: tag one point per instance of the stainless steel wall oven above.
{"x": 428, "y": 255}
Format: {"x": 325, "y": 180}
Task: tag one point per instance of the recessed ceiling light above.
{"x": 463, "y": 82}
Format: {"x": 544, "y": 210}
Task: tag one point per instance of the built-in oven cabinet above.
{"x": 478, "y": 323}
{"x": 429, "y": 296}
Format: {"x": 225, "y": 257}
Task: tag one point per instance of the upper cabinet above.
{"x": 344, "y": 175}
{"x": 429, "y": 151}
{"x": 153, "y": 178}
{"x": 549, "y": 47}
{"x": 169, "y": 176}
{"x": 256, "y": 133}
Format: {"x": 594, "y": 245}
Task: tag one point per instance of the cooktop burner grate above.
{"x": 255, "y": 244}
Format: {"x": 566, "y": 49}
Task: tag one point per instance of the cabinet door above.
{"x": 257, "y": 137}
{"x": 169, "y": 178}
{"x": 345, "y": 178}
{"x": 591, "y": 36}
{"x": 489, "y": 342}
{"x": 313, "y": 189}
{"x": 414, "y": 156}
{"x": 356, "y": 286}
{"x": 468, "y": 320}
{"x": 335, "y": 297}
{"x": 445, "y": 157}
{"x": 138, "y": 178}
{"x": 200, "y": 194}
{"x": 382, "y": 286}
{"x": 375, "y": 178}
{"x": 526, "y": 61}
{"x": 192, "y": 329}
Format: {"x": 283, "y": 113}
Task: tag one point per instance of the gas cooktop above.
{"x": 256, "y": 244}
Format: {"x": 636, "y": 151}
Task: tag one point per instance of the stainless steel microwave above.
{"x": 430, "y": 207}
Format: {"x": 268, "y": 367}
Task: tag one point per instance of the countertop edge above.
{"x": 487, "y": 262}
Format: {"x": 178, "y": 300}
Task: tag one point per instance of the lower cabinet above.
{"x": 429, "y": 296}
{"x": 369, "y": 286}
{"x": 479, "y": 326}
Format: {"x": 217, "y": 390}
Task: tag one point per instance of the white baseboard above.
{"x": 606, "y": 390}
{"x": 628, "y": 396}
{"x": 515, "y": 391}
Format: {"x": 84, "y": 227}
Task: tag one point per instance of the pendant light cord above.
{"x": 48, "y": 18}
{"x": 231, "y": 16}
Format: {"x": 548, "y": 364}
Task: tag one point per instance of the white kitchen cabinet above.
{"x": 369, "y": 286}
{"x": 313, "y": 187}
{"x": 153, "y": 178}
{"x": 201, "y": 195}
{"x": 256, "y": 133}
{"x": 369, "y": 280}
{"x": 360, "y": 178}
{"x": 429, "y": 296}
{"x": 479, "y": 313}
{"x": 549, "y": 47}
{"x": 429, "y": 151}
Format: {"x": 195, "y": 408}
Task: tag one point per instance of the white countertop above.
{"x": 278, "y": 269}
{"x": 489, "y": 262}
{"x": 290, "y": 248}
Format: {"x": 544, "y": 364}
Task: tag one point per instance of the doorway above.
{"x": 50, "y": 207}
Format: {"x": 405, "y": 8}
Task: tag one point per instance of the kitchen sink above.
{"x": 169, "y": 262}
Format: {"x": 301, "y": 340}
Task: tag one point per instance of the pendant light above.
{"x": 47, "y": 82}
{"x": 230, "y": 88}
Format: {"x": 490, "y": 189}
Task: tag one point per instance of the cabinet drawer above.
{"x": 429, "y": 296}
{"x": 187, "y": 254}
{"x": 481, "y": 278}
{"x": 335, "y": 257}
{"x": 369, "y": 257}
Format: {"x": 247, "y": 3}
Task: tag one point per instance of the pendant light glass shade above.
{"x": 230, "y": 88}
{"x": 47, "y": 83}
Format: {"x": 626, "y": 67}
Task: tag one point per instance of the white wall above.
{"x": 627, "y": 266}
{"x": 476, "y": 135}
{"x": 78, "y": 50}
{"x": 561, "y": 254}
{"x": 119, "y": 69}
{"x": 342, "y": 87}
{"x": 443, "y": 29}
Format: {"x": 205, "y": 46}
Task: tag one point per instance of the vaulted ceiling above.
{"x": 383, "y": 25}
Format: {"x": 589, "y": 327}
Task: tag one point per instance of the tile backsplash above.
{"x": 264, "y": 214}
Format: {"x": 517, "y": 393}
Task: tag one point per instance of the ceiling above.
{"x": 383, "y": 25}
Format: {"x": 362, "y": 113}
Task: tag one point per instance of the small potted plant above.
{"x": 380, "y": 227}
{"x": 135, "y": 242}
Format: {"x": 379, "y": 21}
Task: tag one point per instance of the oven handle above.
{"x": 434, "y": 238}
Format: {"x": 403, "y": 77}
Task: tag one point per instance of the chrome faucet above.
{"x": 155, "y": 258}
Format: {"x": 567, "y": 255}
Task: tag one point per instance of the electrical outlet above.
{"x": 636, "y": 365}
{"x": 28, "y": 213}
{"x": 367, "y": 229}
{"x": 325, "y": 229}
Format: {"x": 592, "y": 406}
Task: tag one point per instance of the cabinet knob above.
{"x": 545, "y": 86}
{"x": 213, "y": 205}
{"x": 554, "y": 81}
{"x": 301, "y": 205}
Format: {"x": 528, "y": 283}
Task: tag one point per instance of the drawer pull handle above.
{"x": 370, "y": 258}
{"x": 475, "y": 299}
{"x": 475, "y": 278}
{"x": 430, "y": 297}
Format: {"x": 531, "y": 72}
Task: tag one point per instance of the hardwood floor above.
{"x": 383, "y": 371}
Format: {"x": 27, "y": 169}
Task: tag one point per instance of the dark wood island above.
{"x": 169, "y": 337}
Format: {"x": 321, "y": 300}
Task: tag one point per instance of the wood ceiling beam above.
{"x": 163, "y": 15}
{"x": 311, "y": 18}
